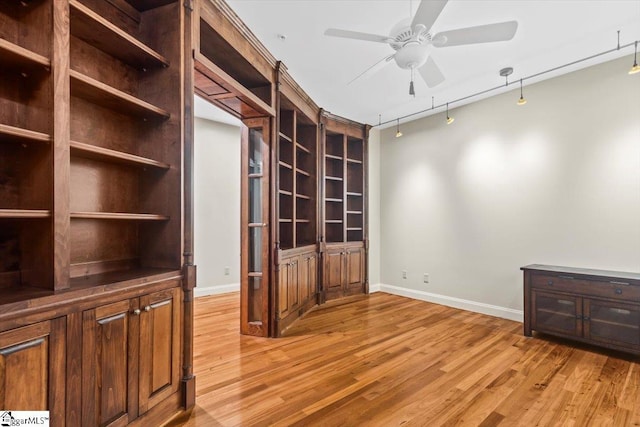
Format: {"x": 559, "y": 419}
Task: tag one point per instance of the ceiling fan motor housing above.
{"x": 410, "y": 44}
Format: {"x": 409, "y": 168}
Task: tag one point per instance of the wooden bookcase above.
{"x": 26, "y": 154}
{"x": 344, "y": 202}
{"x": 296, "y": 202}
{"x": 92, "y": 147}
{"x": 125, "y": 110}
{"x": 297, "y": 177}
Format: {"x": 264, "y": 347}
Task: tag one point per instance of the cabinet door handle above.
{"x": 550, "y": 283}
{"x": 618, "y": 291}
{"x": 147, "y": 308}
{"x": 586, "y": 318}
{"x": 613, "y": 282}
{"x": 620, "y": 311}
{"x": 137, "y": 312}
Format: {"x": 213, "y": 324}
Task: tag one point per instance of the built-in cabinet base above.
{"x": 110, "y": 356}
{"x": 297, "y": 285}
{"x": 344, "y": 270}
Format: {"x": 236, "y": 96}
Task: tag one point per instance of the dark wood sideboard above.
{"x": 593, "y": 306}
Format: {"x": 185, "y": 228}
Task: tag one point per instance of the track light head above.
{"x": 635, "y": 68}
{"x": 450, "y": 120}
{"x": 521, "y": 101}
{"x": 411, "y": 90}
{"x": 398, "y": 133}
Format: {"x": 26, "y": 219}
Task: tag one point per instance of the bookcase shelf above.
{"x": 24, "y": 213}
{"x": 12, "y": 55}
{"x": 102, "y": 94}
{"x": 119, "y": 216}
{"x": 8, "y": 132}
{"x": 94, "y": 152}
{"x": 99, "y": 32}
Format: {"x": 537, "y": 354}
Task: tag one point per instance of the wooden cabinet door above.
{"x": 109, "y": 363}
{"x": 32, "y": 361}
{"x": 294, "y": 290}
{"x": 313, "y": 276}
{"x": 308, "y": 278}
{"x": 159, "y": 369}
{"x": 284, "y": 278}
{"x": 557, "y": 313}
{"x": 608, "y": 322}
{"x": 355, "y": 269}
{"x": 334, "y": 269}
{"x": 303, "y": 279}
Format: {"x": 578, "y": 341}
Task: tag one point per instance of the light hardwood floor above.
{"x": 384, "y": 360}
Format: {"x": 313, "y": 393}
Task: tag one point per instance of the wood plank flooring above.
{"x": 384, "y": 360}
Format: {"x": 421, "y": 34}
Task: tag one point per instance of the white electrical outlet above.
{"x": 426, "y": 278}
{"x": 404, "y": 274}
{"x": 226, "y": 271}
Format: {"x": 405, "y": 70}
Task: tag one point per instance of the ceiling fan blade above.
{"x": 428, "y": 12}
{"x": 346, "y": 34}
{"x": 374, "y": 68}
{"x": 431, "y": 73}
{"x": 481, "y": 34}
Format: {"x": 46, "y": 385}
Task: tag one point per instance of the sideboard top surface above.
{"x": 582, "y": 271}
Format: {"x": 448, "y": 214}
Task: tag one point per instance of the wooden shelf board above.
{"x": 354, "y": 228}
{"x": 17, "y": 56}
{"x": 333, "y": 221}
{"x": 303, "y": 196}
{"x": 303, "y": 172}
{"x": 207, "y": 68}
{"x": 92, "y": 151}
{"x": 24, "y": 213}
{"x": 332, "y": 178}
{"x": 351, "y": 193}
{"x": 302, "y": 221}
{"x": 303, "y": 148}
{"x": 285, "y": 137}
{"x": 331, "y": 199}
{"x": 285, "y": 220}
{"x": 256, "y": 175}
{"x": 110, "y": 97}
{"x": 358, "y": 162}
{"x": 354, "y": 212}
{"x": 332, "y": 157}
{"x": 99, "y": 32}
{"x": 133, "y": 276}
{"x": 119, "y": 216}
{"x": 285, "y": 165}
{"x": 285, "y": 192}
{"x": 11, "y": 132}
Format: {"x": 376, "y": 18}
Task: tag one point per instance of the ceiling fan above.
{"x": 412, "y": 40}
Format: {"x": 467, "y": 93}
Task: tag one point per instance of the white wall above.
{"x": 556, "y": 181}
{"x": 217, "y": 206}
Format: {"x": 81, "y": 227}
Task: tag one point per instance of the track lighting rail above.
{"x": 501, "y": 86}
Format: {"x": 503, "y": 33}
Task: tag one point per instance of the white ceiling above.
{"x": 550, "y": 33}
